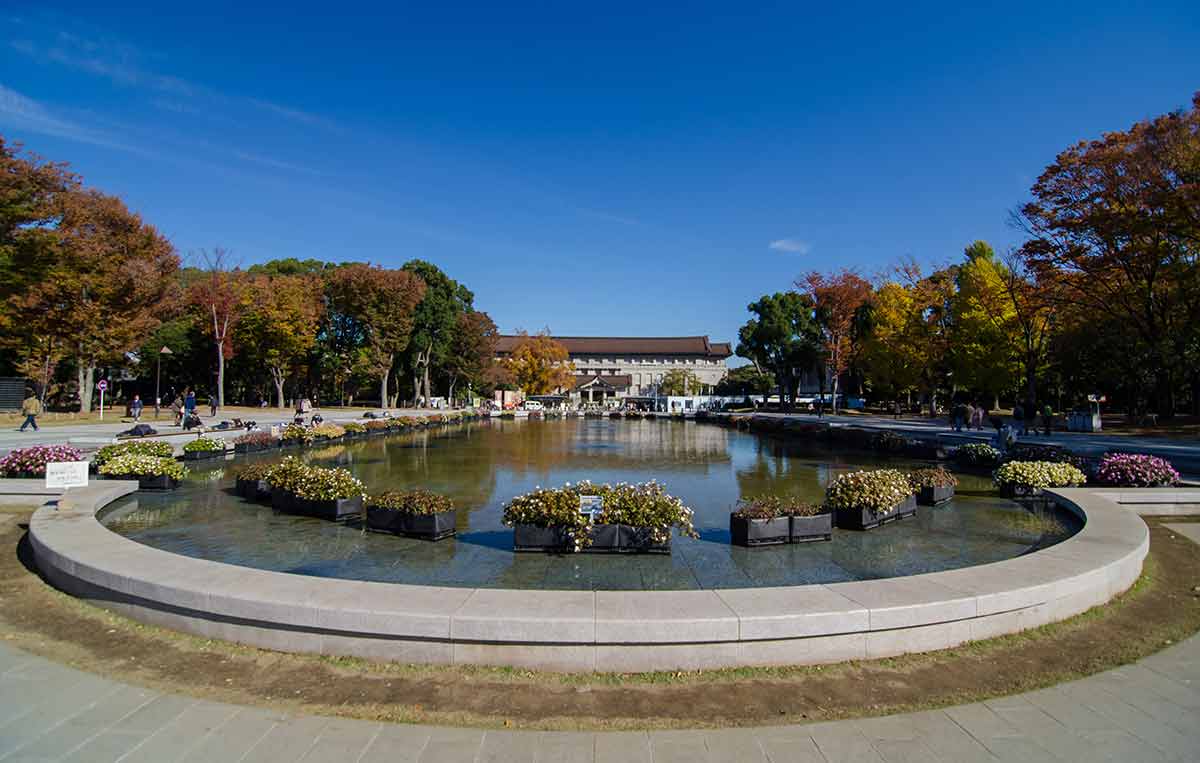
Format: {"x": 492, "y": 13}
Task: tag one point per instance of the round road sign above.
{"x": 102, "y": 384}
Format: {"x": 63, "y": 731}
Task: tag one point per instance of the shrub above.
{"x": 156, "y": 448}
{"x": 889, "y": 442}
{"x": 936, "y": 477}
{"x": 1038, "y": 474}
{"x": 254, "y": 472}
{"x": 353, "y": 427}
{"x": 773, "y": 506}
{"x": 645, "y": 505}
{"x": 143, "y": 466}
{"x": 879, "y": 491}
{"x": 32, "y": 461}
{"x": 375, "y": 425}
{"x": 286, "y": 474}
{"x": 317, "y": 483}
{"x": 1135, "y": 470}
{"x": 258, "y": 437}
{"x": 977, "y": 454}
{"x": 550, "y": 508}
{"x": 1029, "y": 451}
{"x": 328, "y": 430}
{"x": 296, "y": 433}
{"x": 408, "y": 422}
{"x": 420, "y": 502}
{"x": 204, "y": 445}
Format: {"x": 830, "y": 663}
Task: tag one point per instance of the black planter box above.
{"x": 254, "y": 490}
{"x": 640, "y": 540}
{"x": 283, "y": 500}
{"x": 426, "y": 526}
{"x": 932, "y": 496}
{"x": 202, "y": 455}
{"x": 759, "y": 532}
{"x": 242, "y": 448}
{"x": 534, "y": 538}
{"x": 1017, "y": 492}
{"x": 815, "y": 528}
{"x": 865, "y": 519}
{"x": 334, "y": 511}
{"x": 605, "y": 539}
{"x": 149, "y": 481}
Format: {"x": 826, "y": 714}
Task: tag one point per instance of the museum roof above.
{"x": 616, "y": 381}
{"x": 632, "y": 345}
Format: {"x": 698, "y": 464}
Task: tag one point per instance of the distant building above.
{"x": 609, "y": 369}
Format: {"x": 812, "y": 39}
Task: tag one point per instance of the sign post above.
{"x": 66, "y": 475}
{"x": 102, "y": 385}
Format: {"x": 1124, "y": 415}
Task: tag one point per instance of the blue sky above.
{"x": 608, "y": 169}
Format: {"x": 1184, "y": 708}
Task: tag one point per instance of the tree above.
{"x": 744, "y": 381}
{"x": 539, "y": 365}
{"x": 382, "y": 302}
{"x": 472, "y": 350}
{"x": 784, "y": 338}
{"x": 220, "y": 294}
{"x": 434, "y": 323}
{"x": 679, "y": 381}
{"x": 1114, "y": 227}
{"x": 893, "y": 356}
{"x": 280, "y": 323}
{"x": 987, "y": 334}
{"x": 838, "y": 298}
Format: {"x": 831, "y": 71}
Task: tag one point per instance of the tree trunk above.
{"x": 835, "y": 391}
{"x": 428, "y": 392}
{"x": 383, "y": 388}
{"x": 1031, "y": 380}
{"x": 220, "y": 376}
{"x": 277, "y": 377}
{"x": 86, "y": 374}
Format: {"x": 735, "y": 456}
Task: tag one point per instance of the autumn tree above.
{"x": 382, "y": 302}
{"x": 220, "y": 295}
{"x": 280, "y": 321}
{"x": 745, "y": 380}
{"x": 679, "y": 381}
{"x": 1114, "y": 229}
{"x": 434, "y": 323}
{"x": 540, "y": 365}
{"x": 472, "y": 350}
{"x": 783, "y": 338}
{"x": 837, "y": 298}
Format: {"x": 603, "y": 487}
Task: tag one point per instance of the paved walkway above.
{"x": 1144, "y": 712}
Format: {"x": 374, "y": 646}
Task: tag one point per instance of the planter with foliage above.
{"x": 203, "y": 447}
{"x": 251, "y": 482}
{"x": 1032, "y": 451}
{"x": 332, "y": 494}
{"x": 150, "y": 472}
{"x": 377, "y": 426}
{"x": 933, "y": 486}
{"x": 30, "y": 463}
{"x": 328, "y": 432}
{"x": 354, "y": 430}
{"x": 282, "y": 479}
{"x": 1135, "y": 470}
{"x": 867, "y": 499}
{"x": 771, "y": 520}
{"x": 631, "y": 518}
{"x": 1027, "y": 479}
{"x": 889, "y": 442}
{"x": 295, "y": 434}
{"x": 156, "y": 448}
{"x": 977, "y": 454}
{"x": 254, "y": 442}
{"x": 416, "y": 513}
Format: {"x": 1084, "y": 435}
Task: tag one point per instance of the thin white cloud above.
{"x": 791, "y": 246}
{"x": 24, "y": 113}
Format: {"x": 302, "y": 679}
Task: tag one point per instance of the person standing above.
{"x": 212, "y": 405}
{"x": 135, "y": 408}
{"x": 1019, "y": 418}
{"x": 177, "y": 409}
{"x": 1048, "y": 418}
{"x": 31, "y": 408}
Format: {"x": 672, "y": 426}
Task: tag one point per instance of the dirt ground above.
{"x": 1162, "y": 608}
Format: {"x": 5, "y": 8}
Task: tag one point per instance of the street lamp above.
{"x": 158, "y": 378}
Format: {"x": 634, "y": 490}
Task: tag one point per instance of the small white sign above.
{"x": 102, "y": 385}
{"x": 65, "y": 474}
{"x": 590, "y": 504}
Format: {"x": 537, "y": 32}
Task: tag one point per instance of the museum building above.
{"x": 608, "y": 368}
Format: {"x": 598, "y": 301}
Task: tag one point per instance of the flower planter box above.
{"x": 242, "y": 448}
{"x": 149, "y": 481}
{"x": 815, "y": 528}
{"x": 640, "y": 540}
{"x": 1017, "y": 492}
{"x": 865, "y": 519}
{"x": 332, "y": 510}
{"x": 283, "y": 501}
{"x": 425, "y": 526}
{"x": 202, "y": 455}
{"x": 932, "y": 496}
{"x": 605, "y": 539}
{"x": 254, "y": 490}
{"x": 534, "y": 538}
{"x": 759, "y": 532}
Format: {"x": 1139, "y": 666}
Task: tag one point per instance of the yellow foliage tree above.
{"x": 540, "y": 365}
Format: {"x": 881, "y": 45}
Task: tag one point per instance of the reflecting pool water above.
{"x": 482, "y": 465}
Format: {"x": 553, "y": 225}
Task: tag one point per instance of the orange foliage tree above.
{"x": 540, "y": 365}
{"x": 837, "y": 298}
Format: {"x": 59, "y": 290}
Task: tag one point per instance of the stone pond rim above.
{"x": 622, "y": 631}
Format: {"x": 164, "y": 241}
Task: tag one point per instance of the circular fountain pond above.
{"x": 482, "y": 465}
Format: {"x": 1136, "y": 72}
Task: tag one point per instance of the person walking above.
{"x": 897, "y": 409}
{"x": 1047, "y": 418}
{"x": 1019, "y": 419}
{"x": 189, "y": 403}
{"x": 135, "y": 408}
{"x": 31, "y": 408}
{"x": 212, "y": 406}
{"x": 977, "y": 418}
{"x": 177, "y": 409}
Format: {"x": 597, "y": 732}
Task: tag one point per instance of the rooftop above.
{"x": 632, "y": 345}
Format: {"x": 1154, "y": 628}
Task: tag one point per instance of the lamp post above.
{"x": 158, "y": 379}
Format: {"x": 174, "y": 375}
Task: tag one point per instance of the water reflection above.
{"x": 482, "y": 465}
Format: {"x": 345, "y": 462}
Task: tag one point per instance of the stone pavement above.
{"x": 1149, "y": 711}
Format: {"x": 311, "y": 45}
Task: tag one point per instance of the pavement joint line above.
{"x": 159, "y": 730}
{"x": 1115, "y": 721}
{"x": 370, "y": 742}
{"x": 111, "y": 726}
{"x": 207, "y": 734}
{"x": 33, "y": 708}
{"x": 258, "y": 741}
{"x": 1132, "y": 710}
{"x": 62, "y": 721}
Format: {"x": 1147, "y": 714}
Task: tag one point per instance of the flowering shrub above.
{"x": 157, "y": 448}
{"x": 353, "y": 427}
{"x": 977, "y": 454}
{"x": 1135, "y": 470}
{"x": 1030, "y": 451}
{"x": 329, "y": 430}
{"x": 204, "y": 444}
{"x": 407, "y": 422}
{"x": 143, "y": 466}
{"x": 286, "y": 474}
{"x": 254, "y": 472}
{"x": 888, "y": 441}
{"x": 296, "y": 433}
{"x": 644, "y": 505}
{"x": 419, "y": 502}
{"x": 551, "y": 508}
{"x": 317, "y": 483}
{"x": 937, "y": 477}
{"x": 773, "y": 506}
{"x": 1038, "y": 474}
{"x": 32, "y": 461}
{"x": 879, "y": 491}
{"x": 375, "y": 425}
{"x": 259, "y": 438}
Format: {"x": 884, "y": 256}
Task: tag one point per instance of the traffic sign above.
{"x": 102, "y": 384}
